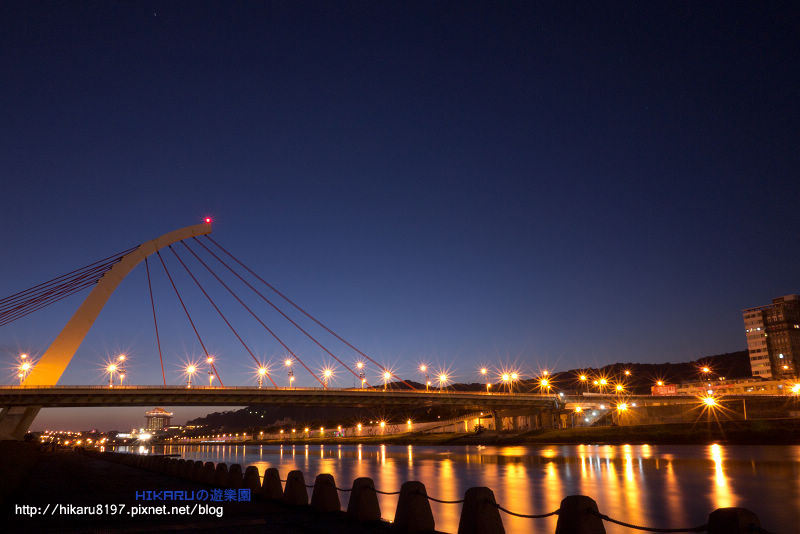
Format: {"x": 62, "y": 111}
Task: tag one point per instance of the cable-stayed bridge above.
{"x": 192, "y": 249}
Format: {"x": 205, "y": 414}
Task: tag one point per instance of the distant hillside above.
{"x": 643, "y": 375}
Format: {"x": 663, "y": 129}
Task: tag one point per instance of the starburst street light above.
{"x": 484, "y": 373}
{"x": 544, "y": 385}
{"x": 111, "y": 369}
{"x": 326, "y": 376}
{"x": 361, "y": 374}
{"x": 190, "y": 370}
{"x": 443, "y": 378}
{"x": 262, "y": 372}
{"x": 796, "y": 389}
{"x": 23, "y": 368}
{"x": 288, "y": 364}
{"x": 386, "y": 377}
{"x": 424, "y": 370}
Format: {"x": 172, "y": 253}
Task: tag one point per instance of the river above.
{"x": 664, "y": 486}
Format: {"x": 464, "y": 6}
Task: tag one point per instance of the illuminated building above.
{"x": 773, "y": 337}
{"x": 157, "y": 419}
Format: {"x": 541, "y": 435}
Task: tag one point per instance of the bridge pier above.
{"x": 16, "y": 420}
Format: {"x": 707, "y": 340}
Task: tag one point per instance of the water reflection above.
{"x": 660, "y": 486}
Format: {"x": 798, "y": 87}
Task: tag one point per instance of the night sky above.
{"x": 549, "y": 186}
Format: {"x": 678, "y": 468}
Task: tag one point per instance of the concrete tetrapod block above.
{"x": 251, "y": 480}
{"x": 197, "y": 471}
{"x": 413, "y": 512}
{"x": 271, "y": 487}
{"x": 579, "y": 515}
{"x": 209, "y": 471}
{"x": 187, "y": 469}
{"x": 363, "y": 504}
{"x": 221, "y": 475}
{"x": 732, "y": 521}
{"x": 295, "y": 490}
{"x": 325, "y": 498}
{"x": 479, "y": 513}
{"x": 235, "y": 476}
{"x": 172, "y": 467}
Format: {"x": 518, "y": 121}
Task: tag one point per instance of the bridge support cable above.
{"x": 58, "y": 279}
{"x": 25, "y": 302}
{"x": 213, "y": 304}
{"x": 186, "y": 311}
{"x": 256, "y": 317}
{"x": 304, "y": 312}
{"x": 312, "y": 338}
{"x": 43, "y": 302}
{"x": 155, "y": 323}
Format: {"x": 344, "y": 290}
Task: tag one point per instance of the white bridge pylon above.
{"x": 54, "y": 361}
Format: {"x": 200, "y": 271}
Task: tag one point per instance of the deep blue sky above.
{"x": 552, "y": 185}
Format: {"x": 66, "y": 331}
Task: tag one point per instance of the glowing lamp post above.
{"x": 424, "y": 370}
{"x": 262, "y": 372}
{"x": 484, "y": 373}
{"x": 190, "y": 370}
{"x": 111, "y": 369}
{"x": 544, "y": 384}
{"x": 326, "y": 376}
{"x": 24, "y": 368}
{"x": 505, "y": 378}
{"x": 210, "y": 377}
{"x": 288, "y": 363}
{"x": 361, "y": 375}
{"x": 121, "y": 377}
{"x": 386, "y": 377}
{"x": 442, "y": 381}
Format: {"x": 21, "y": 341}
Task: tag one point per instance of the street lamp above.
{"x": 210, "y": 377}
{"x": 190, "y": 370}
{"x": 288, "y": 363}
{"x": 326, "y": 376}
{"x": 24, "y": 368}
{"x": 485, "y": 372}
{"x": 544, "y": 384}
{"x": 361, "y": 375}
{"x": 424, "y": 370}
{"x": 121, "y": 376}
{"x": 111, "y": 369}
{"x": 386, "y": 376}
{"x": 442, "y": 381}
{"x": 262, "y": 372}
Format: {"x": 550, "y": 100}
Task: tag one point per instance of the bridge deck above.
{"x": 84, "y": 396}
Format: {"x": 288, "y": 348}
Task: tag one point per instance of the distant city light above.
{"x": 709, "y": 401}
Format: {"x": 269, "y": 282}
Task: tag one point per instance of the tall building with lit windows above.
{"x": 157, "y": 419}
{"x": 773, "y": 337}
